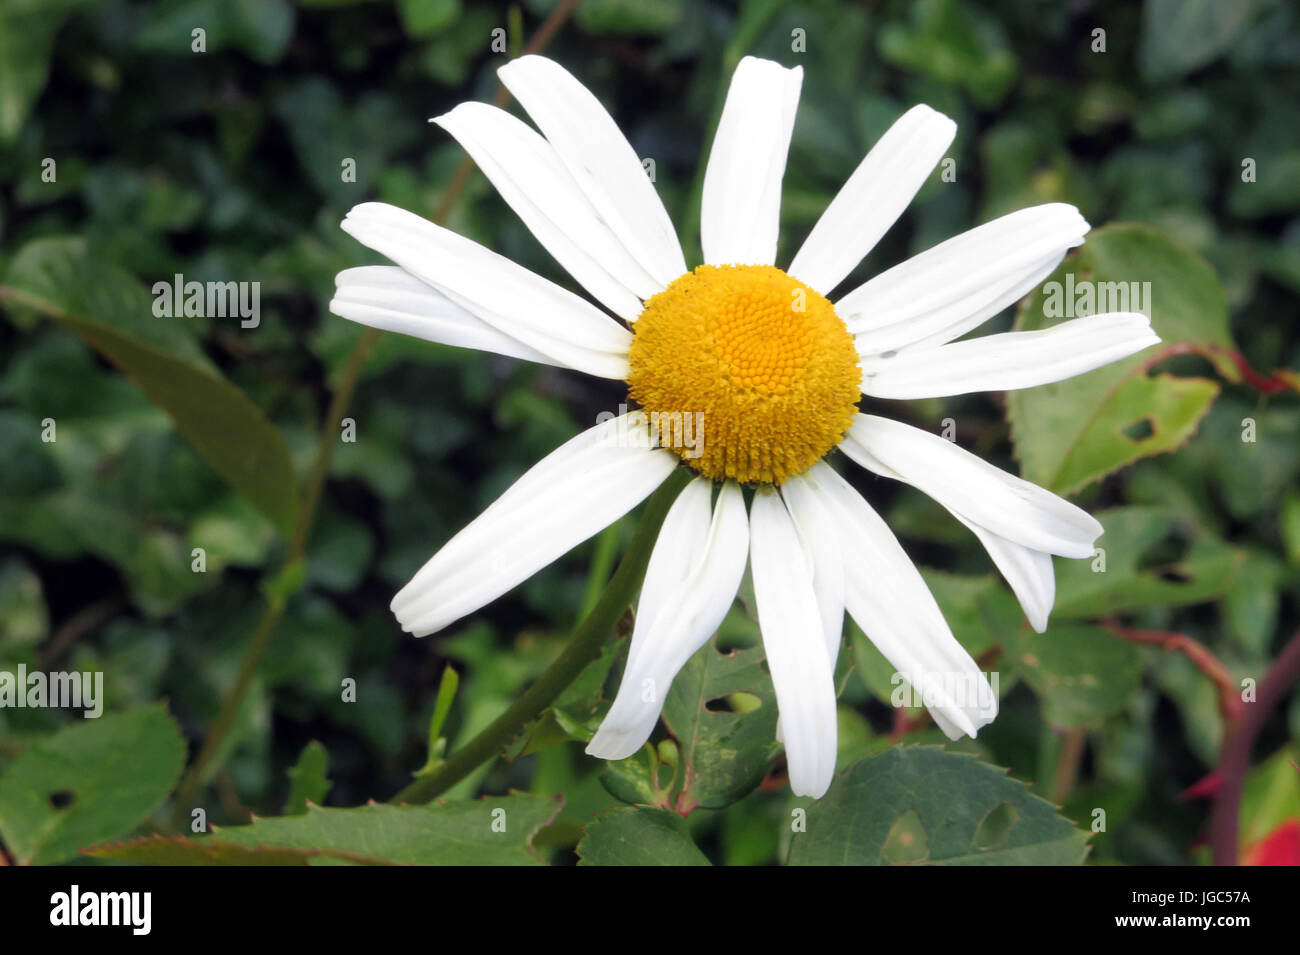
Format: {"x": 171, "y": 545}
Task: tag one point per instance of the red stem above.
{"x": 1238, "y": 741}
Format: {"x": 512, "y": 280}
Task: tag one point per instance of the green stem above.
{"x": 588, "y": 639}
{"x": 196, "y": 775}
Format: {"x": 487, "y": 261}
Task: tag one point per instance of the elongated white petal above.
{"x": 971, "y": 488}
{"x": 821, "y": 543}
{"x": 741, "y": 206}
{"x": 692, "y": 579}
{"x": 1009, "y": 360}
{"x": 513, "y": 300}
{"x": 886, "y": 595}
{"x": 531, "y": 177}
{"x": 886, "y": 180}
{"x": 792, "y": 639}
{"x": 575, "y": 491}
{"x": 600, "y": 160}
{"x": 390, "y": 298}
{"x": 1029, "y": 573}
{"x": 946, "y": 291}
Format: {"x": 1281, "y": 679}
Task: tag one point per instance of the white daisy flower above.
{"x": 775, "y": 369}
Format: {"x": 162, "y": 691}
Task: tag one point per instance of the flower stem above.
{"x": 1238, "y": 742}
{"x": 588, "y": 639}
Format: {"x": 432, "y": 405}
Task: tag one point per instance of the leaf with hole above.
{"x": 1071, "y": 433}
{"x": 722, "y": 712}
{"x": 924, "y": 805}
{"x": 94, "y": 780}
{"x": 1148, "y": 557}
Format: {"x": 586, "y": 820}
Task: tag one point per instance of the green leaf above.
{"x": 112, "y": 313}
{"x": 1150, "y": 556}
{"x": 494, "y": 830}
{"x": 955, "y": 44}
{"x": 425, "y": 18}
{"x": 639, "y": 836}
{"x": 94, "y": 780}
{"x": 722, "y": 711}
{"x": 1270, "y": 796}
{"x": 182, "y": 850}
{"x": 629, "y": 17}
{"x": 1179, "y": 36}
{"x": 24, "y": 619}
{"x": 307, "y": 780}
{"x": 1081, "y": 674}
{"x": 27, "y": 29}
{"x": 441, "y": 707}
{"x": 961, "y": 810}
{"x": 261, "y": 28}
{"x": 1071, "y": 433}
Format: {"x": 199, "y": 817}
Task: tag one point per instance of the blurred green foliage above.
{"x": 225, "y": 165}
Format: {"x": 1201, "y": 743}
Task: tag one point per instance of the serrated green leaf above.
{"x": 494, "y": 830}
{"x": 639, "y": 836}
{"x": 105, "y": 776}
{"x": 1150, "y": 556}
{"x": 112, "y": 313}
{"x": 182, "y": 850}
{"x": 1071, "y": 433}
{"x": 853, "y": 823}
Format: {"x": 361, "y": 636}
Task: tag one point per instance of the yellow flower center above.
{"x": 744, "y": 372}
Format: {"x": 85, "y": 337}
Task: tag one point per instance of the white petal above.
{"x": 886, "y": 595}
{"x": 1009, "y": 360}
{"x": 690, "y": 583}
{"x": 796, "y": 655}
{"x": 390, "y": 298}
{"x": 971, "y": 488}
{"x": 740, "y": 209}
{"x": 530, "y": 176}
{"x": 821, "y": 543}
{"x": 1029, "y": 573}
{"x": 600, "y": 160}
{"x": 583, "y": 486}
{"x": 518, "y": 303}
{"x": 946, "y": 291}
{"x": 886, "y": 180}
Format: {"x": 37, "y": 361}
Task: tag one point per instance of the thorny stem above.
{"x": 585, "y": 645}
{"x": 1230, "y": 704}
{"x": 1243, "y": 724}
{"x": 1238, "y": 741}
{"x": 314, "y": 488}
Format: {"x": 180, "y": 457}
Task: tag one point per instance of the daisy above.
{"x": 772, "y": 370}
